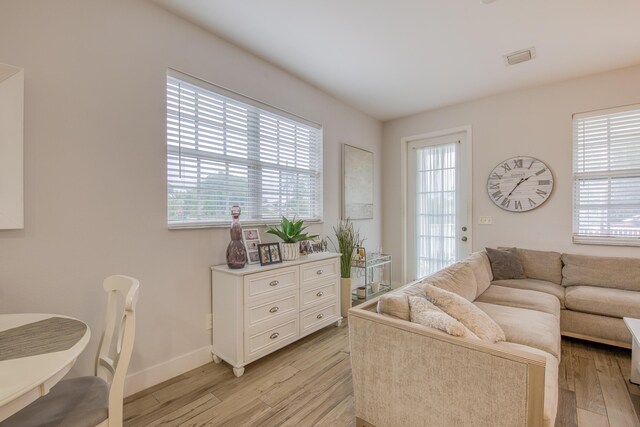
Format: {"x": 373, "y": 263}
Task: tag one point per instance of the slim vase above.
{"x": 345, "y": 296}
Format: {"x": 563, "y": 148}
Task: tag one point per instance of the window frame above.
{"x": 316, "y": 174}
{"x": 609, "y": 173}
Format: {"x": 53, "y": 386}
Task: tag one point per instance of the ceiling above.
{"x": 394, "y": 58}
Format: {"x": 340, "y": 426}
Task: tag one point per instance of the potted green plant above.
{"x": 347, "y": 240}
{"x": 291, "y": 233}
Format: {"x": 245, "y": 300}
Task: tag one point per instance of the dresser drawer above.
{"x": 314, "y": 317}
{"x": 265, "y": 312}
{"x": 267, "y": 341}
{"x": 260, "y": 285}
{"x": 318, "y": 270}
{"x": 324, "y": 292}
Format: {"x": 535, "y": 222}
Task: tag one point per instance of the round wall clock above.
{"x": 520, "y": 184}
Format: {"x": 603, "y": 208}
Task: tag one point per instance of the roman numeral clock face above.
{"x": 520, "y": 184}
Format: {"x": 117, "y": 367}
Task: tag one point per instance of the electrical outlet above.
{"x": 209, "y": 321}
{"x": 485, "y": 220}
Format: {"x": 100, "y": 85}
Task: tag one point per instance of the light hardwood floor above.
{"x": 309, "y": 384}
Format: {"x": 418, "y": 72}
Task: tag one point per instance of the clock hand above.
{"x": 519, "y": 182}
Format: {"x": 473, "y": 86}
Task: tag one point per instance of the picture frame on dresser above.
{"x": 251, "y": 239}
{"x": 269, "y": 253}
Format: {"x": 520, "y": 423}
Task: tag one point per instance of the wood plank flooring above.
{"x": 309, "y": 384}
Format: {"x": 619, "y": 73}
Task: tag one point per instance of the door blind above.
{"x": 224, "y": 149}
{"x": 435, "y": 207}
{"x": 606, "y": 173}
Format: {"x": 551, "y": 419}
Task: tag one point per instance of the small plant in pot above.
{"x": 291, "y": 233}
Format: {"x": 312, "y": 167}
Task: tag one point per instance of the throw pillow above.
{"x": 505, "y": 264}
{"x": 425, "y": 313}
{"x": 476, "y": 320}
{"x": 394, "y": 304}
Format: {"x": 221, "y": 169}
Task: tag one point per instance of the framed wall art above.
{"x": 357, "y": 181}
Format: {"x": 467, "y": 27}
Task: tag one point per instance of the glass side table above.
{"x": 370, "y": 277}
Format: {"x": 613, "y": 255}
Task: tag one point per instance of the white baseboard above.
{"x": 153, "y": 375}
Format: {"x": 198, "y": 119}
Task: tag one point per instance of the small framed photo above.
{"x": 251, "y": 238}
{"x": 269, "y": 253}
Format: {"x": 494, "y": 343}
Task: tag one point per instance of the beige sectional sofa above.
{"x": 595, "y": 293}
{"x": 406, "y": 374}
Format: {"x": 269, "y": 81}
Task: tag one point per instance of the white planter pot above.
{"x": 290, "y": 251}
{"x": 345, "y": 296}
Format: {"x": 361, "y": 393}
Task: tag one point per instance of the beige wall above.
{"x": 534, "y": 122}
{"x": 95, "y": 164}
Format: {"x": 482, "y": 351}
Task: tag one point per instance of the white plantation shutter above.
{"x": 606, "y": 171}
{"x": 224, "y": 149}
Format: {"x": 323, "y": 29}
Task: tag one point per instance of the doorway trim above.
{"x": 404, "y": 216}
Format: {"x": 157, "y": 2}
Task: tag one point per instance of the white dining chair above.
{"x": 93, "y": 400}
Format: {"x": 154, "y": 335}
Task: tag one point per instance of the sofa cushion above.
{"x": 529, "y": 327}
{"x": 609, "y": 272}
{"x": 394, "y": 304}
{"x": 595, "y": 327}
{"x": 457, "y": 278}
{"x": 542, "y": 265}
{"x": 523, "y": 298}
{"x": 479, "y": 263}
{"x": 534, "y": 285}
{"x": 505, "y": 264}
{"x": 605, "y": 301}
{"x": 468, "y": 314}
{"x": 426, "y": 314}
{"x": 550, "y": 381}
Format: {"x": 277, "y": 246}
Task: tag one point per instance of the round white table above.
{"x": 36, "y": 351}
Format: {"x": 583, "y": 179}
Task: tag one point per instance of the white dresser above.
{"x": 259, "y": 309}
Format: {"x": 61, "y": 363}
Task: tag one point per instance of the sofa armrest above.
{"x": 405, "y": 374}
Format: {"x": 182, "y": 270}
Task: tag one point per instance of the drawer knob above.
{"x": 274, "y": 335}
{"x": 320, "y": 316}
{"x": 274, "y": 283}
{"x": 319, "y": 294}
{"x": 319, "y": 272}
{"x": 273, "y": 309}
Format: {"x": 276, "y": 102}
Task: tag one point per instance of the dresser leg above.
{"x": 238, "y": 372}
{"x": 216, "y": 359}
{"x": 338, "y": 323}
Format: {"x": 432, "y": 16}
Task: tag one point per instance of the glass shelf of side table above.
{"x": 370, "y": 277}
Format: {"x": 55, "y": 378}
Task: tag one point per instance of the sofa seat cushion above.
{"x": 523, "y": 298}
{"x": 528, "y": 327}
{"x": 606, "y": 301}
{"x": 550, "y": 381}
{"x": 534, "y": 285}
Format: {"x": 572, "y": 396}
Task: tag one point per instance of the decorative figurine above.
{"x": 236, "y": 253}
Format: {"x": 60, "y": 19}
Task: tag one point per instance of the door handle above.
{"x": 463, "y": 238}
{"x": 464, "y": 228}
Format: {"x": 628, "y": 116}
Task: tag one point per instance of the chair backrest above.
{"x": 113, "y": 358}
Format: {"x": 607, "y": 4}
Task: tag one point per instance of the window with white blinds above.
{"x": 224, "y": 149}
{"x": 606, "y": 175}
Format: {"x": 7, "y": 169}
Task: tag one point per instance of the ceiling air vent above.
{"x": 520, "y": 56}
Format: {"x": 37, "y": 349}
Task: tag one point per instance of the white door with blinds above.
{"x": 606, "y": 177}
{"x": 437, "y": 204}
